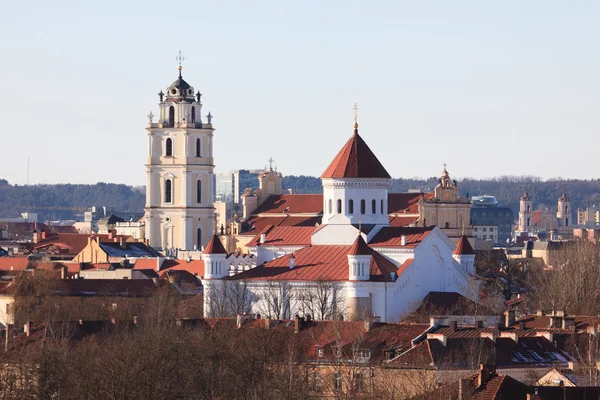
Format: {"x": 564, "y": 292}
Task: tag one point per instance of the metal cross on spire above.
{"x": 180, "y": 59}
{"x": 270, "y": 160}
{"x": 355, "y": 109}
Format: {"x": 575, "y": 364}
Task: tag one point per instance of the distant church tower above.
{"x": 179, "y": 172}
{"x": 564, "y": 211}
{"x": 525, "y": 213}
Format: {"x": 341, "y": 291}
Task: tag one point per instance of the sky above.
{"x": 489, "y": 88}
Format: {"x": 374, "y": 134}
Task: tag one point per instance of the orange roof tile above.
{"x": 355, "y": 160}
{"x": 284, "y": 236}
{"x": 214, "y": 246}
{"x": 406, "y": 203}
{"x": 403, "y": 221}
{"x": 14, "y": 263}
{"x": 314, "y": 263}
{"x": 292, "y": 204}
{"x": 392, "y": 236}
{"x": 463, "y": 247}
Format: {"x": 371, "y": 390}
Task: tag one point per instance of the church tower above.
{"x": 564, "y": 211}
{"x": 179, "y": 172}
{"x": 525, "y": 213}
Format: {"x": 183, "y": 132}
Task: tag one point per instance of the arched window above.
{"x": 528, "y": 221}
{"x": 382, "y": 206}
{"x": 169, "y": 147}
{"x": 199, "y": 191}
{"x": 566, "y": 209}
{"x": 330, "y": 208}
{"x": 339, "y": 206}
{"x": 171, "y": 117}
{"x": 199, "y": 239}
{"x": 198, "y": 148}
{"x": 351, "y": 206}
{"x": 168, "y": 191}
{"x": 447, "y": 225}
{"x": 373, "y": 207}
{"x": 363, "y": 206}
{"x": 193, "y": 115}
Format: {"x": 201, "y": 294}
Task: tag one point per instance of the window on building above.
{"x": 373, "y": 207}
{"x": 475, "y": 229}
{"x": 567, "y": 222}
{"x": 382, "y": 206}
{"x": 199, "y": 191}
{"x": 171, "y": 117}
{"x": 337, "y": 381}
{"x": 199, "y": 239}
{"x": 484, "y": 237}
{"x": 315, "y": 381}
{"x": 363, "y": 206}
{"x": 168, "y": 191}
{"x": 339, "y": 206}
{"x": 484, "y": 229}
{"x": 198, "y": 148}
{"x": 169, "y": 147}
{"x": 350, "y": 206}
{"x": 330, "y": 206}
{"x": 491, "y": 229}
{"x": 447, "y": 225}
{"x": 337, "y": 351}
{"x": 193, "y": 115}
{"x": 319, "y": 352}
{"x": 359, "y": 382}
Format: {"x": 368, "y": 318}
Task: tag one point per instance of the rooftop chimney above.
{"x": 43, "y": 234}
{"x": 292, "y": 261}
{"x": 298, "y": 322}
{"x": 371, "y": 322}
{"x": 64, "y": 272}
{"x": 453, "y": 325}
{"x": 27, "y": 328}
{"x": 510, "y": 318}
{"x": 403, "y": 240}
{"x": 36, "y": 236}
{"x": 263, "y": 238}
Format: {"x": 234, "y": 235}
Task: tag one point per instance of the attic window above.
{"x": 363, "y": 354}
{"x": 319, "y": 352}
{"x": 337, "y": 351}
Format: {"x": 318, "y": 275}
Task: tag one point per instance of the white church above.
{"x": 351, "y": 264}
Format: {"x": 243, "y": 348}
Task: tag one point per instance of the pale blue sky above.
{"x": 491, "y": 88}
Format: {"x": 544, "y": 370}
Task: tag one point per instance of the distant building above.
{"x": 545, "y": 220}
{"x": 490, "y": 221}
{"x": 230, "y": 186}
{"x": 588, "y": 218}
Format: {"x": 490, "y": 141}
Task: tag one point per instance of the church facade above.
{"x": 179, "y": 207}
{"x": 351, "y": 264}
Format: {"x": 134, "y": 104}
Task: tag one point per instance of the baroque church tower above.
{"x": 179, "y": 172}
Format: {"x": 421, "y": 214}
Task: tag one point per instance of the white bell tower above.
{"x": 179, "y": 172}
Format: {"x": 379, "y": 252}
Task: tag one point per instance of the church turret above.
{"x": 214, "y": 256}
{"x": 180, "y": 169}
{"x": 564, "y": 211}
{"x": 525, "y": 213}
{"x": 464, "y": 255}
{"x": 359, "y": 260}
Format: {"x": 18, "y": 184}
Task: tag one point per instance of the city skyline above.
{"x": 488, "y": 89}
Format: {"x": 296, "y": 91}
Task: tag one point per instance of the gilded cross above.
{"x": 270, "y": 162}
{"x": 180, "y": 58}
{"x": 355, "y": 108}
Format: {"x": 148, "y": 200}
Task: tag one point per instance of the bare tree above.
{"x": 230, "y": 297}
{"x": 276, "y": 299}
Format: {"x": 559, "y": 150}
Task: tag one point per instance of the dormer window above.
{"x": 319, "y": 351}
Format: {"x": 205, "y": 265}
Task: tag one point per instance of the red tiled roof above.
{"x": 403, "y": 221}
{"x": 14, "y": 263}
{"x": 73, "y": 242}
{"x": 321, "y": 262}
{"x": 194, "y": 267}
{"x": 463, "y": 247}
{"x": 355, "y": 160}
{"x": 214, "y": 246}
{"x": 284, "y": 236}
{"x": 392, "y": 236}
{"x": 360, "y": 247}
{"x": 406, "y": 203}
{"x": 292, "y": 204}
{"x": 255, "y": 224}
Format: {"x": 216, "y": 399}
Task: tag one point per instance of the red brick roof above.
{"x": 321, "y": 262}
{"x": 284, "y": 236}
{"x": 355, "y": 160}
{"x": 463, "y": 247}
{"x": 214, "y": 246}
{"x": 406, "y": 203}
{"x": 292, "y": 204}
{"x": 392, "y": 236}
{"x": 254, "y": 224}
{"x": 360, "y": 248}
